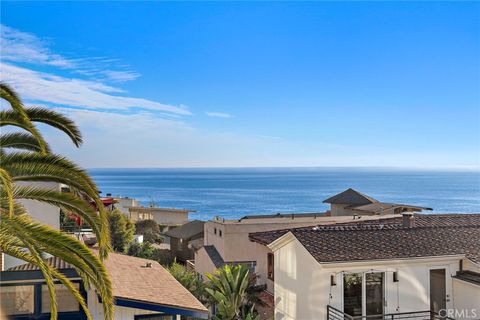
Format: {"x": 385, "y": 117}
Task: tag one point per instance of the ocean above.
{"x": 233, "y": 193}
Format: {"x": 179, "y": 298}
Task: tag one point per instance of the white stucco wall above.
{"x": 41, "y": 212}
{"x": 466, "y": 297}
{"x": 303, "y": 291}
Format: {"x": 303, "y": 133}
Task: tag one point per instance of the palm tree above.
{"x": 26, "y": 157}
{"x": 229, "y": 288}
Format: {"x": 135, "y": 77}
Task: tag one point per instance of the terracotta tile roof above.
{"x": 431, "y": 235}
{"x": 132, "y": 279}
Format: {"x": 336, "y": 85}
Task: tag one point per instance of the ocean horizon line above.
{"x": 359, "y": 168}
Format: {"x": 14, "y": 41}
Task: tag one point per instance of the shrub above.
{"x": 141, "y": 250}
{"x": 149, "y": 229}
{"x": 122, "y": 231}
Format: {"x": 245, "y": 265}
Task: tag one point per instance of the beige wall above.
{"x": 339, "y": 210}
{"x": 303, "y": 291}
{"x": 160, "y": 215}
{"x": 235, "y": 246}
{"x": 466, "y": 297}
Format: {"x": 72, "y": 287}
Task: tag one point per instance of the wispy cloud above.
{"x": 219, "y": 114}
{"x": 19, "y": 46}
{"x": 53, "y": 89}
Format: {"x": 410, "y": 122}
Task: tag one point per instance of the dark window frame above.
{"x": 271, "y": 266}
{"x": 37, "y": 303}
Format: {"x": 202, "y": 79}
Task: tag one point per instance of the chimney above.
{"x": 408, "y": 220}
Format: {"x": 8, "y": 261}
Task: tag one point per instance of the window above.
{"x": 16, "y": 300}
{"x": 270, "y": 266}
{"x": 214, "y": 230}
{"x": 220, "y": 233}
{"x": 66, "y": 301}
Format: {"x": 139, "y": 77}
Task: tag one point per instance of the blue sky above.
{"x": 156, "y": 84}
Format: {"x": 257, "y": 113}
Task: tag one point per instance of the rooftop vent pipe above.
{"x": 408, "y": 220}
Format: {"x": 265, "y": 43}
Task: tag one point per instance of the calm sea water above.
{"x": 233, "y": 193}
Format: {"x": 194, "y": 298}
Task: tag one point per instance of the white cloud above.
{"x": 219, "y": 114}
{"x": 19, "y": 46}
{"x": 53, "y": 89}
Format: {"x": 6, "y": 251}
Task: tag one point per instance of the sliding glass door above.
{"x": 374, "y": 293}
{"x": 364, "y": 293}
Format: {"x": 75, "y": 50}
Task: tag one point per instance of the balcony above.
{"x": 335, "y": 314}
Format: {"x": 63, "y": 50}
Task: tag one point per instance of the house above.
{"x": 41, "y": 212}
{"x": 351, "y": 202}
{"x": 142, "y": 289}
{"x": 167, "y": 217}
{"x": 180, "y": 237}
{"x": 413, "y": 266}
{"x": 227, "y": 241}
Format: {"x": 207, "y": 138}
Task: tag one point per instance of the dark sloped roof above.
{"x": 351, "y": 197}
{"x": 431, "y": 235}
{"x": 187, "y": 230}
{"x": 420, "y": 220}
{"x": 285, "y": 215}
{"x": 383, "y": 244}
{"x": 214, "y": 256}
{"x": 468, "y": 276}
{"x": 380, "y": 207}
{"x": 54, "y": 262}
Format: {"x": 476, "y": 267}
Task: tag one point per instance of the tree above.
{"x": 228, "y": 288}
{"x": 122, "y": 230}
{"x": 26, "y": 156}
{"x": 141, "y": 250}
{"x": 190, "y": 280}
{"x": 149, "y": 229}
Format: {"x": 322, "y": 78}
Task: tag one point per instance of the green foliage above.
{"x": 228, "y": 288}
{"x": 141, "y": 250}
{"x": 149, "y": 229}
{"x": 26, "y": 157}
{"x": 122, "y": 231}
{"x": 190, "y": 280}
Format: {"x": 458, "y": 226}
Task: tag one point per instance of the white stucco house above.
{"x": 425, "y": 265}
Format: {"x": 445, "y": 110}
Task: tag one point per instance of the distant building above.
{"x": 168, "y": 217}
{"x": 351, "y": 202}
{"x": 180, "y": 238}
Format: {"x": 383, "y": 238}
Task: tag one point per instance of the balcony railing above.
{"x": 335, "y": 314}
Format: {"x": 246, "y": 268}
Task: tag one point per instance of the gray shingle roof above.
{"x": 214, "y": 256}
{"x": 468, "y": 276}
{"x": 431, "y": 235}
{"x": 187, "y": 230}
{"x": 351, "y": 197}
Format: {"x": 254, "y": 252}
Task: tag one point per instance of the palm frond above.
{"x": 65, "y": 247}
{"x": 12, "y": 98}
{"x": 20, "y": 140}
